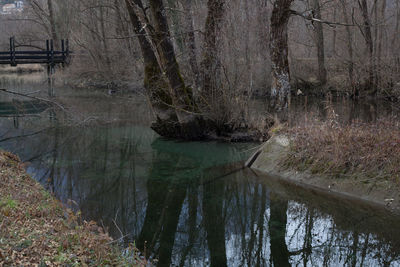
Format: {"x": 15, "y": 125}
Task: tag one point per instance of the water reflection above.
{"x": 188, "y": 204}
{"x": 185, "y": 205}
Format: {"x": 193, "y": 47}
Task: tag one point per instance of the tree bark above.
{"x": 190, "y": 41}
{"x": 104, "y": 40}
{"x": 190, "y": 124}
{"x": 178, "y": 117}
{"x": 319, "y": 34}
{"x": 380, "y": 41}
{"x": 350, "y": 63}
{"x": 154, "y": 82}
{"x": 334, "y": 33}
{"x": 370, "y": 46}
{"x": 396, "y": 38}
{"x": 182, "y": 95}
{"x": 211, "y": 62}
{"x": 280, "y": 88}
{"x": 53, "y": 26}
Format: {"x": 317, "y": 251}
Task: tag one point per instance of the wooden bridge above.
{"x": 47, "y": 56}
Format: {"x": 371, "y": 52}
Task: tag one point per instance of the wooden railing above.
{"x": 46, "y": 56}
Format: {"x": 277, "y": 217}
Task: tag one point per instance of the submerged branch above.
{"x": 34, "y": 97}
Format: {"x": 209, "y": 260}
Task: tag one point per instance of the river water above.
{"x": 187, "y": 203}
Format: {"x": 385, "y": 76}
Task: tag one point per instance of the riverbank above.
{"x": 358, "y": 161}
{"x": 37, "y": 230}
{"x": 22, "y": 69}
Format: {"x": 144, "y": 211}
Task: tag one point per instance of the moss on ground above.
{"x": 37, "y": 230}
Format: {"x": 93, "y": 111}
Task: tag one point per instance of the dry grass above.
{"x": 36, "y": 230}
{"x": 368, "y": 150}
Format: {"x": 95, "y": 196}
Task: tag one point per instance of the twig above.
{"x": 22, "y": 136}
{"x": 329, "y": 23}
{"x": 34, "y": 97}
{"x": 117, "y": 240}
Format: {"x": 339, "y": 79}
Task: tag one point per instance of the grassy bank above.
{"x": 36, "y": 230}
{"x": 365, "y": 151}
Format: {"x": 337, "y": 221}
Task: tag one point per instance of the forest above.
{"x": 201, "y": 62}
{"x": 200, "y": 133}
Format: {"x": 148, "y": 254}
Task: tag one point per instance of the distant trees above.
{"x": 202, "y": 61}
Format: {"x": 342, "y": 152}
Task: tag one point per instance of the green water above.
{"x": 191, "y": 203}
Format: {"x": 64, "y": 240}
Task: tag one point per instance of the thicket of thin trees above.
{"x": 201, "y": 60}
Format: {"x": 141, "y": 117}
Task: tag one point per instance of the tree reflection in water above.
{"x": 165, "y": 196}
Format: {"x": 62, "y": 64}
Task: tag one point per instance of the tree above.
{"x": 319, "y": 36}
{"x": 174, "y": 104}
{"x": 371, "y": 85}
{"x": 280, "y": 88}
{"x": 190, "y": 41}
{"x": 350, "y": 61}
{"x": 211, "y": 64}
{"x": 185, "y": 119}
{"x": 52, "y": 21}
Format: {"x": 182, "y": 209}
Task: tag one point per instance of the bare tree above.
{"x": 280, "y": 88}
{"x": 319, "y": 36}
{"x": 53, "y": 28}
{"x": 190, "y": 41}
{"x": 350, "y": 61}
{"x": 211, "y": 63}
{"x": 367, "y": 33}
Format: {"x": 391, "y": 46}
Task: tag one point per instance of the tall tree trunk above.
{"x": 154, "y": 82}
{"x": 182, "y": 96}
{"x": 249, "y": 64}
{"x": 211, "y": 62}
{"x": 370, "y": 46}
{"x": 350, "y": 63}
{"x": 319, "y": 34}
{"x": 280, "y": 88}
{"x": 334, "y": 33}
{"x": 379, "y": 49}
{"x": 176, "y": 25}
{"x": 104, "y": 40}
{"x": 179, "y": 118}
{"x": 189, "y": 124}
{"x": 190, "y": 41}
{"x": 396, "y": 39}
{"x": 121, "y": 28}
{"x": 53, "y": 26}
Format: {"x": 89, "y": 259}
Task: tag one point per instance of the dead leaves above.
{"x": 35, "y": 229}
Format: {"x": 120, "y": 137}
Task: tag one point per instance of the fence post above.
{"x": 52, "y": 52}
{"x": 63, "y": 49}
{"x": 67, "y": 47}
{"x": 11, "y": 48}
{"x": 12, "y": 51}
{"x": 48, "y": 51}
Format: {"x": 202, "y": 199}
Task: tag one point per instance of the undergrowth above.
{"x": 367, "y": 150}
{"x": 36, "y": 230}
